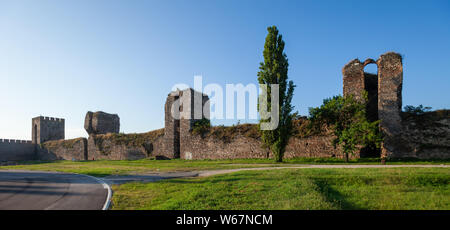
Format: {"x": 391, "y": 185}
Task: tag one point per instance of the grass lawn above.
{"x": 102, "y": 168}
{"x": 119, "y": 167}
{"x": 387, "y": 188}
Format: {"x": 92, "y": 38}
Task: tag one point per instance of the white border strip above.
{"x": 105, "y": 186}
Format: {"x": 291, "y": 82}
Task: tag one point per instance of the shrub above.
{"x": 347, "y": 119}
{"x": 201, "y": 127}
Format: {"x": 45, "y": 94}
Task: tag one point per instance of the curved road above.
{"x": 34, "y": 190}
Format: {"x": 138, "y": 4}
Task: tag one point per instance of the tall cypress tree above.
{"x": 274, "y": 70}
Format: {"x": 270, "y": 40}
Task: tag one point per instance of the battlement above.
{"x": 11, "y": 141}
{"x": 17, "y": 150}
{"x": 50, "y": 119}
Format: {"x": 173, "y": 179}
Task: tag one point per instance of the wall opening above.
{"x": 176, "y": 129}
{"x": 371, "y": 68}
{"x": 371, "y": 87}
{"x": 34, "y": 138}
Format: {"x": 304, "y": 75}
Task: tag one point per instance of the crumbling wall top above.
{"x": 101, "y": 123}
{"x": 353, "y": 80}
{"x": 391, "y": 63}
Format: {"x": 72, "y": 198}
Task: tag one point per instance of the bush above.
{"x": 201, "y": 127}
{"x": 347, "y": 119}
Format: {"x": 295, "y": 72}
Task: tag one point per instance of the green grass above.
{"x": 120, "y": 167}
{"x": 332, "y": 160}
{"x": 386, "y": 189}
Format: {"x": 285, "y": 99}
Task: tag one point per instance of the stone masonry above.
{"x": 97, "y": 124}
{"x": 390, "y": 80}
{"x": 47, "y": 129}
{"x": 353, "y": 79}
{"x": 356, "y": 81}
{"x": 101, "y": 123}
{"x": 182, "y": 109}
{"x": 16, "y": 150}
{"x": 74, "y": 149}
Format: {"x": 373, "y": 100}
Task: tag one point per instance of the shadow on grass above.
{"x": 333, "y": 196}
{"x": 226, "y": 178}
{"x": 416, "y": 160}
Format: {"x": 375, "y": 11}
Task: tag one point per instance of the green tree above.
{"x": 347, "y": 118}
{"x": 419, "y": 110}
{"x": 274, "y": 70}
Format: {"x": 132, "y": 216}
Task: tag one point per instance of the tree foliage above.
{"x": 274, "y": 70}
{"x": 416, "y": 110}
{"x": 347, "y": 118}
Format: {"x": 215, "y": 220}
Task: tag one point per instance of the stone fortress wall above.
{"x": 425, "y": 136}
{"x": 72, "y": 149}
{"x": 16, "y": 150}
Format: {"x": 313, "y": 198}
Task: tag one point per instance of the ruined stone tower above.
{"x": 47, "y": 129}
{"x": 182, "y": 109}
{"x": 101, "y": 123}
{"x": 353, "y": 79}
{"x": 384, "y": 92}
{"x": 390, "y": 75}
{"x": 356, "y": 81}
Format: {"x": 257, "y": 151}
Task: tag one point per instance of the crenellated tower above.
{"x": 47, "y": 129}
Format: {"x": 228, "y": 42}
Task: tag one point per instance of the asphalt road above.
{"x": 34, "y": 190}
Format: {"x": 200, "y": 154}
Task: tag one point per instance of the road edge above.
{"x": 105, "y": 186}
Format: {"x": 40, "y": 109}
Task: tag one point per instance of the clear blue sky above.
{"x": 63, "y": 58}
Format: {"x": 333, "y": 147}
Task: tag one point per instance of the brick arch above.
{"x": 369, "y": 61}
